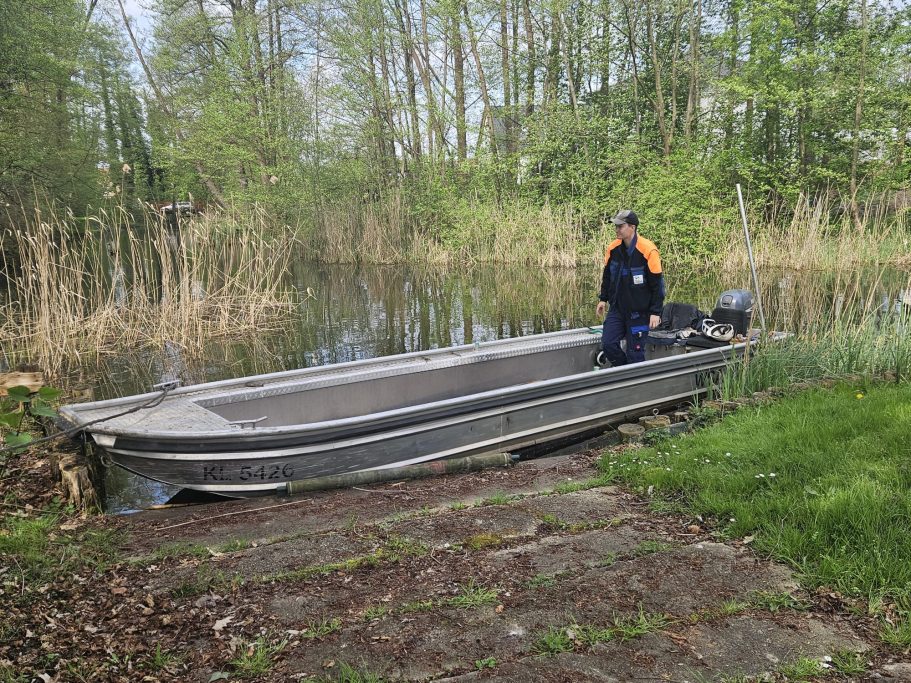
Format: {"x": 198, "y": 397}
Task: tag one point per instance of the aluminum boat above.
{"x": 253, "y": 435}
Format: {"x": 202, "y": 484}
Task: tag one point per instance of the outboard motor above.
{"x": 735, "y": 307}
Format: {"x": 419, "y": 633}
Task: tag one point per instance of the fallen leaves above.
{"x": 221, "y": 623}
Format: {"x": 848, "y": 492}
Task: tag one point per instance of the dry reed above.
{"x": 104, "y": 284}
{"x": 817, "y": 237}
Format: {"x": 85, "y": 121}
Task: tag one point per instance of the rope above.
{"x": 73, "y": 431}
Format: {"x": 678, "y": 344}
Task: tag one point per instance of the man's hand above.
{"x": 654, "y": 321}
{"x": 599, "y": 311}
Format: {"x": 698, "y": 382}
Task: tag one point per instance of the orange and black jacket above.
{"x": 632, "y": 280}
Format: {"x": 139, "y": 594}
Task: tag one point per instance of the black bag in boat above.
{"x": 677, "y": 321}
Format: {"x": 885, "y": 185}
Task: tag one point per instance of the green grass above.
{"x": 8, "y": 674}
{"x": 849, "y": 663}
{"x": 898, "y": 632}
{"x": 376, "y": 612}
{"x": 574, "y": 486}
{"x": 161, "y": 660}
{"x": 621, "y": 629}
{"x": 802, "y": 669}
{"x": 41, "y": 550}
{"x": 257, "y": 657}
{"x": 393, "y": 550}
{"x": 397, "y": 547}
{"x": 868, "y": 347}
{"x": 552, "y": 642}
{"x": 650, "y": 547}
{"x": 181, "y": 549}
{"x": 471, "y": 596}
{"x": 349, "y": 674}
{"x": 775, "y": 602}
{"x": 498, "y": 498}
{"x": 733, "y": 606}
{"x": 321, "y": 628}
{"x": 821, "y": 479}
{"x": 639, "y": 624}
{"x": 417, "y": 606}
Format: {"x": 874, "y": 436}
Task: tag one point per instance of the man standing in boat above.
{"x": 632, "y": 286}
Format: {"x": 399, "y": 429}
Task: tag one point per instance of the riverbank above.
{"x": 563, "y": 568}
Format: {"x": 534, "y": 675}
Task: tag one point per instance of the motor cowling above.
{"x": 735, "y": 307}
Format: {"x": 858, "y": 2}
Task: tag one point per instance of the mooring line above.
{"x": 73, "y": 431}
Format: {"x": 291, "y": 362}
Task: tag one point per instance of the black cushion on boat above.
{"x": 678, "y": 316}
{"x": 699, "y": 342}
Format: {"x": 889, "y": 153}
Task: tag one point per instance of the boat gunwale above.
{"x": 651, "y": 367}
{"x": 276, "y": 378}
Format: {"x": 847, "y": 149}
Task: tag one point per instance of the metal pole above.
{"x": 746, "y": 232}
{"x": 467, "y": 463}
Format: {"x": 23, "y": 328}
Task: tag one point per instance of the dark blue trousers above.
{"x": 617, "y": 326}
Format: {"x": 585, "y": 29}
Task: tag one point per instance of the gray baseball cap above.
{"x": 627, "y": 216}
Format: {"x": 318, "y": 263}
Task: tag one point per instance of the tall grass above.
{"x": 836, "y": 335}
{"x": 464, "y": 232}
{"x": 817, "y": 235}
{"x": 105, "y": 284}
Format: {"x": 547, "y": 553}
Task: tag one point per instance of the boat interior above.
{"x": 364, "y": 392}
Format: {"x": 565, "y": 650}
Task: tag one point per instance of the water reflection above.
{"x": 366, "y": 312}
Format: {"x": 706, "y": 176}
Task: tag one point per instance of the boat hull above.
{"x": 257, "y": 461}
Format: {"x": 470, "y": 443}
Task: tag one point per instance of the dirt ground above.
{"x": 507, "y": 574}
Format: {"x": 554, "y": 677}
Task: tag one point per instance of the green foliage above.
{"x": 161, "y": 659}
{"x": 897, "y": 632}
{"x": 773, "y": 602}
{"x": 639, "y": 624}
{"x": 652, "y": 546}
{"x": 10, "y": 674}
{"x": 483, "y": 540}
{"x": 498, "y": 498}
{"x": 375, "y": 612}
{"x": 20, "y": 410}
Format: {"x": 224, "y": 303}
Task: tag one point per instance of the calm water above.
{"x": 365, "y": 312}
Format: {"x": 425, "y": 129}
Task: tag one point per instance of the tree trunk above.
{"x": 482, "y": 80}
{"x": 530, "y": 47}
{"x": 506, "y": 71}
{"x": 858, "y": 111}
{"x": 458, "y": 56}
{"x": 407, "y": 42}
{"x": 692, "y": 99}
{"x": 667, "y": 133}
{"x": 211, "y": 186}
